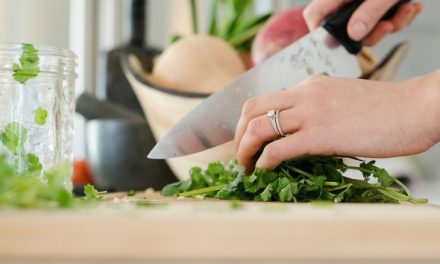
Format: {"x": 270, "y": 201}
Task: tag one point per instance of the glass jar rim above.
{"x": 9, "y": 52}
{"x": 43, "y": 50}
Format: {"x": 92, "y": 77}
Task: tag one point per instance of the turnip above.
{"x": 280, "y": 30}
{"x": 198, "y": 64}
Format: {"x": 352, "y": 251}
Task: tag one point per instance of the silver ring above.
{"x": 277, "y": 121}
{"x": 273, "y": 116}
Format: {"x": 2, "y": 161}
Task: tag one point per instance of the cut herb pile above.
{"x": 36, "y": 189}
{"x": 26, "y": 189}
{"x": 304, "y": 179}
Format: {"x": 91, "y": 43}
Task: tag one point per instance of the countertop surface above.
{"x": 172, "y": 229}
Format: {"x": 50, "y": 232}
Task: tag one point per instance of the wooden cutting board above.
{"x": 172, "y": 229}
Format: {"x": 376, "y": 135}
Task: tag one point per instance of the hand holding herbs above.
{"x": 326, "y": 115}
{"x": 304, "y": 179}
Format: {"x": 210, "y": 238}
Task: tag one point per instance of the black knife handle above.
{"x": 336, "y": 24}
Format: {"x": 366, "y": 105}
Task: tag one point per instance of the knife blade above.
{"x": 326, "y": 50}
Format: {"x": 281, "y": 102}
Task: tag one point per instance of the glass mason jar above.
{"x": 37, "y": 85}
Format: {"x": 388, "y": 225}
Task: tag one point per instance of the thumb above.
{"x": 366, "y": 17}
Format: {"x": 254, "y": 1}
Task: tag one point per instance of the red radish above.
{"x": 281, "y": 30}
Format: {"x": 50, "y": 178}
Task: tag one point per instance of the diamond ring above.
{"x": 274, "y": 119}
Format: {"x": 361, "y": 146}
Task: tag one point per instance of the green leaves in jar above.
{"x": 28, "y": 64}
{"x": 40, "y": 116}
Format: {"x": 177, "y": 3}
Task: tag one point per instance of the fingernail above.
{"x": 358, "y": 31}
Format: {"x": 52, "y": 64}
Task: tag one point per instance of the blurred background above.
{"x": 112, "y": 136}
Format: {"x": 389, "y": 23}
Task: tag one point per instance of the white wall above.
{"x": 35, "y": 21}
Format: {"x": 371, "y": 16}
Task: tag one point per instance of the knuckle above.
{"x": 255, "y": 127}
{"x": 315, "y": 78}
{"x": 306, "y": 12}
{"x": 271, "y": 152}
{"x": 249, "y": 106}
{"x": 369, "y": 17}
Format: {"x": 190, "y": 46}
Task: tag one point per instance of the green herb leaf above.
{"x": 28, "y": 67}
{"x": 266, "y": 195}
{"x": 13, "y": 137}
{"x": 131, "y": 193}
{"x": 91, "y": 193}
{"x": 33, "y": 163}
{"x": 304, "y": 179}
{"x": 40, "y": 116}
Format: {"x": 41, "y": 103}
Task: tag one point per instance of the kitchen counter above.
{"x": 173, "y": 230}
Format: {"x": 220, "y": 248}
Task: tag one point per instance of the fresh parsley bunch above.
{"x": 304, "y": 179}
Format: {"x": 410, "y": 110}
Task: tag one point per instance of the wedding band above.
{"x": 274, "y": 119}
{"x": 277, "y": 121}
{"x": 272, "y": 116}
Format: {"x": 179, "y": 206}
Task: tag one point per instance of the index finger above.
{"x": 317, "y": 10}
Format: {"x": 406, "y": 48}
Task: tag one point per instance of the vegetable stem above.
{"x": 299, "y": 171}
{"x": 202, "y": 191}
{"x": 194, "y": 19}
{"x": 331, "y": 184}
{"x": 345, "y": 186}
{"x": 245, "y": 36}
{"x": 213, "y": 23}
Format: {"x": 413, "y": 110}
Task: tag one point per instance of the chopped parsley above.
{"x": 304, "y": 179}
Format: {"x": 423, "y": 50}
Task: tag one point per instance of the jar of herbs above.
{"x": 36, "y": 111}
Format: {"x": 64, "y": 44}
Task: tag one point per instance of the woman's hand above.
{"x": 326, "y": 116}
{"x": 364, "y": 24}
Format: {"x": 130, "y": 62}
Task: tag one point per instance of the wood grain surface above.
{"x": 187, "y": 229}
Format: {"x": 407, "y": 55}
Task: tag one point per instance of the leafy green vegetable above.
{"x": 40, "y": 116}
{"x": 33, "y": 163}
{"x": 23, "y": 183}
{"x": 91, "y": 193}
{"x": 131, "y": 193}
{"x": 232, "y": 21}
{"x": 31, "y": 189}
{"x": 13, "y": 137}
{"x": 239, "y": 27}
{"x": 304, "y": 179}
{"x": 28, "y": 67}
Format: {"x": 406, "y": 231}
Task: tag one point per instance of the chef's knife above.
{"x": 327, "y": 49}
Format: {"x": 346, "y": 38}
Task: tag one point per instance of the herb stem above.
{"x": 202, "y": 191}
{"x": 299, "y": 171}
{"x": 331, "y": 184}
{"x": 393, "y": 195}
{"x": 359, "y": 183}
{"x": 358, "y": 169}
{"x": 402, "y": 186}
{"x": 345, "y": 186}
